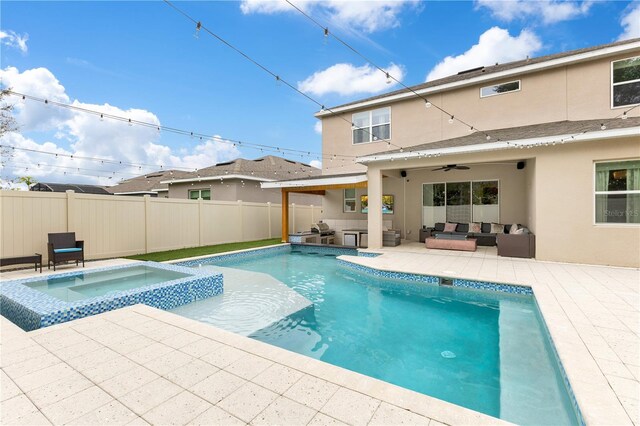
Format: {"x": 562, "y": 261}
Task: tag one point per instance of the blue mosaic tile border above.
{"x": 368, "y": 254}
{"x": 210, "y": 260}
{"x": 563, "y": 373}
{"x": 322, "y": 249}
{"x": 31, "y": 309}
{"x": 431, "y": 279}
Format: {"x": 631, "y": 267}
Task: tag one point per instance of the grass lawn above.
{"x": 162, "y": 256}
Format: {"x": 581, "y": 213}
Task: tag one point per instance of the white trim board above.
{"x": 585, "y": 137}
{"x": 219, "y": 177}
{"x": 329, "y": 180}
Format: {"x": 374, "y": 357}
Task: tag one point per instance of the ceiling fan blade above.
{"x": 446, "y": 169}
{"x": 462, "y": 167}
{"x": 439, "y": 168}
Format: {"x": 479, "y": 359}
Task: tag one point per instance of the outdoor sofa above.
{"x": 521, "y": 244}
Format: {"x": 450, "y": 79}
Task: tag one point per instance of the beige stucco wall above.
{"x": 233, "y": 190}
{"x": 576, "y": 92}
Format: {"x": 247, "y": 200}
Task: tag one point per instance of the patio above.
{"x": 140, "y": 365}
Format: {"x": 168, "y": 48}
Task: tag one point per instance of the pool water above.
{"x": 484, "y": 350}
{"x": 92, "y": 284}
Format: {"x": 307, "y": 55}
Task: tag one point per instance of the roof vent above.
{"x": 225, "y": 164}
{"x": 152, "y": 176}
{"x": 258, "y": 159}
{"x": 289, "y": 161}
{"x": 471, "y": 70}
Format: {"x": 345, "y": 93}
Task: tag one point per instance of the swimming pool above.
{"x": 484, "y": 350}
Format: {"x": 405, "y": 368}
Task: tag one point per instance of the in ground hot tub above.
{"x": 36, "y": 302}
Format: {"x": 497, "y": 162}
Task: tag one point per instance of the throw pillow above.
{"x": 518, "y": 231}
{"x": 513, "y": 228}
{"x": 474, "y": 227}
{"x": 450, "y": 227}
{"x": 497, "y": 228}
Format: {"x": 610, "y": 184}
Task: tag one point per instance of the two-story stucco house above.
{"x": 551, "y": 143}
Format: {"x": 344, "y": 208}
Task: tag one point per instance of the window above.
{"x": 462, "y": 202}
{"x": 617, "y": 195}
{"x": 205, "y": 194}
{"x": 349, "y": 204}
{"x": 625, "y": 81}
{"x": 371, "y": 126}
{"x": 499, "y": 89}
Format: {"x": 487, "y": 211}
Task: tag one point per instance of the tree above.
{"x": 27, "y": 180}
{"x": 7, "y": 121}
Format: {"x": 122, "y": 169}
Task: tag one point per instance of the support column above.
{"x": 285, "y": 216}
{"x": 374, "y": 216}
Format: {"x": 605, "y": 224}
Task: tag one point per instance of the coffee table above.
{"x": 452, "y": 243}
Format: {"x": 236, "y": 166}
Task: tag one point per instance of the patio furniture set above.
{"x": 61, "y": 247}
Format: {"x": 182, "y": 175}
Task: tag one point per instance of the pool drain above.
{"x": 447, "y": 354}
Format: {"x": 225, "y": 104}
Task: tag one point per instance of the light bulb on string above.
{"x": 603, "y": 127}
{"x": 450, "y": 119}
{"x": 130, "y": 122}
{"x": 427, "y": 104}
{"x": 326, "y": 36}
{"x": 388, "y": 78}
{"x": 624, "y": 115}
{"x": 197, "y": 33}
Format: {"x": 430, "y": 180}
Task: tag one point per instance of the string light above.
{"x": 450, "y": 119}
{"x": 261, "y": 147}
{"x": 603, "y": 127}
{"x": 388, "y": 78}
{"x": 427, "y": 104}
{"x": 198, "y": 26}
{"x": 278, "y": 78}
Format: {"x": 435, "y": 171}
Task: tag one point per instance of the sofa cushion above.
{"x": 474, "y": 227}
{"x": 513, "y": 227}
{"x": 485, "y": 228}
{"x": 518, "y": 231}
{"x": 462, "y": 227}
{"x": 497, "y": 228}
{"x": 439, "y": 226}
{"x": 450, "y": 227}
{"x": 67, "y": 250}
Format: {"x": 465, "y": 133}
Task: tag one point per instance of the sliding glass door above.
{"x": 473, "y": 201}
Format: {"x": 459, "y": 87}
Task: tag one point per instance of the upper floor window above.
{"x": 625, "y": 80}
{"x": 499, "y": 89}
{"x": 371, "y": 126}
{"x": 205, "y": 194}
{"x": 618, "y": 192}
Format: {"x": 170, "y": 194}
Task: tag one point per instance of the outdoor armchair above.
{"x": 63, "y": 247}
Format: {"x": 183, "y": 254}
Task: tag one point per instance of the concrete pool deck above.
{"x": 140, "y": 364}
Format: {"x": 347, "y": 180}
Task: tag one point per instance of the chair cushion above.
{"x": 67, "y": 250}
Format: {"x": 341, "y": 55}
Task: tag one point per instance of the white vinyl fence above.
{"x": 113, "y": 226}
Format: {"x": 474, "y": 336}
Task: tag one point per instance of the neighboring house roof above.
{"x": 146, "y": 184}
{"x": 515, "y": 136}
{"x": 262, "y": 169}
{"x": 493, "y": 72}
{"x": 62, "y": 187}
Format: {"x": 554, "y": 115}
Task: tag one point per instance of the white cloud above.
{"x": 348, "y": 79}
{"x": 318, "y": 127}
{"x": 88, "y": 136}
{"x": 364, "y": 15}
{"x": 12, "y": 39}
{"x": 494, "y": 45}
{"x": 631, "y": 24}
{"x": 39, "y": 82}
{"x": 316, "y": 163}
{"x": 548, "y": 11}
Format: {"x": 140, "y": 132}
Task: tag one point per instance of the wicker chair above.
{"x": 63, "y": 247}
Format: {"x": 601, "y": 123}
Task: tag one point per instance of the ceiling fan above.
{"x": 450, "y": 167}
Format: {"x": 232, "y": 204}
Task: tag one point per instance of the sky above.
{"x": 147, "y": 62}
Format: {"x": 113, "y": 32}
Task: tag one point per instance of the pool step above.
{"x": 251, "y": 301}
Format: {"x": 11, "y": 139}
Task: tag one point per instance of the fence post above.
{"x": 269, "y": 217}
{"x": 147, "y": 221}
{"x": 312, "y": 211}
{"x": 241, "y": 220}
{"x": 71, "y": 213}
{"x": 200, "y": 224}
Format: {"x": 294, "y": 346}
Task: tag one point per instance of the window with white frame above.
{"x": 625, "y": 82}
{"x": 205, "y": 194}
{"x": 371, "y": 126}
{"x": 349, "y": 204}
{"x": 499, "y": 89}
{"x": 617, "y": 195}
